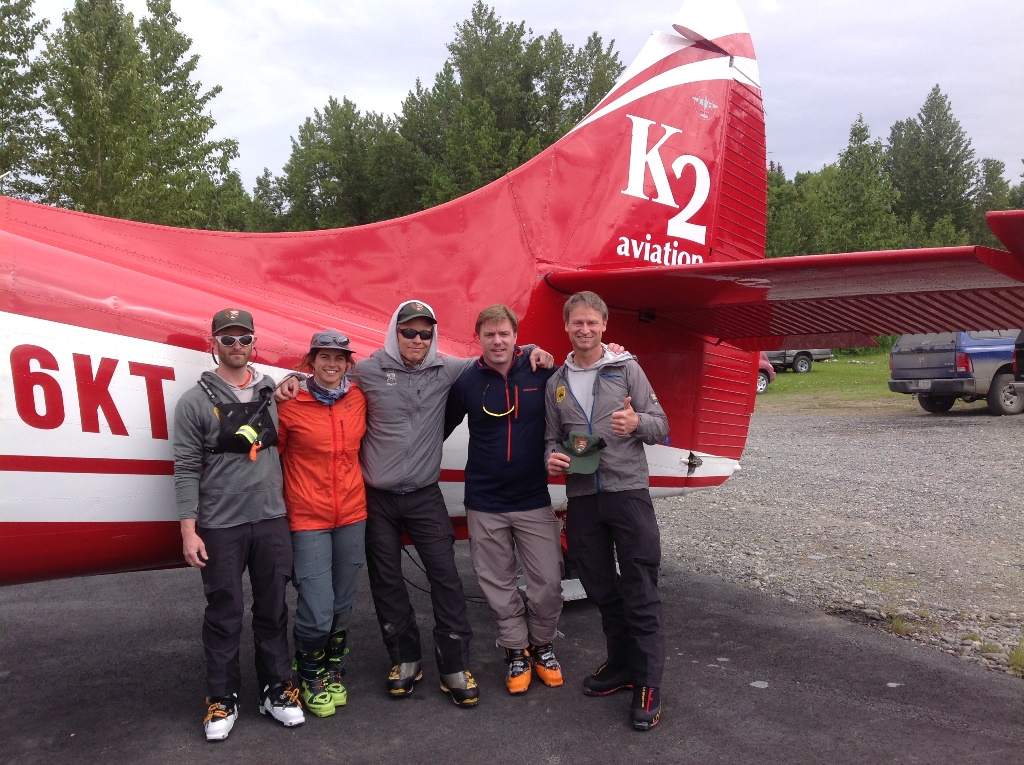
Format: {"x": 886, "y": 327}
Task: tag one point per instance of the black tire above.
{"x": 762, "y": 381}
{"x": 935, "y": 404}
{"x": 802, "y": 363}
{"x": 1003, "y": 397}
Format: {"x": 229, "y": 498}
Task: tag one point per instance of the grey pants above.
{"x": 327, "y": 567}
{"x": 494, "y": 539}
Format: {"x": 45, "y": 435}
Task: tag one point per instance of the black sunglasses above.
{"x": 228, "y": 341}
{"x": 409, "y": 333}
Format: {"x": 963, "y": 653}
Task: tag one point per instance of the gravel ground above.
{"x": 901, "y": 520}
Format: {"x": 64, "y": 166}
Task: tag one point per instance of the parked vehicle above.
{"x": 765, "y": 373}
{"x": 1018, "y": 361}
{"x": 942, "y": 367}
{"x": 798, "y": 361}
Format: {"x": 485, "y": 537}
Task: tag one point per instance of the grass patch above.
{"x": 990, "y": 648}
{"x": 1016, "y": 661}
{"x": 852, "y": 382}
{"x": 971, "y": 636}
{"x": 900, "y": 626}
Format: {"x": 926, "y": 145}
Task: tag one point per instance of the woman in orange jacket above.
{"x": 318, "y": 436}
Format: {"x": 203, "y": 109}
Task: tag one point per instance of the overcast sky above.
{"x": 822, "y": 62}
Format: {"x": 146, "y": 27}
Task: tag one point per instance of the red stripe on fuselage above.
{"x": 656, "y": 481}
{"x": 22, "y": 463}
{"x": 35, "y": 552}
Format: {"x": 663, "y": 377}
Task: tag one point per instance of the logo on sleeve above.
{"x": 654, "y": 399}
{"x": 560, "y": 394}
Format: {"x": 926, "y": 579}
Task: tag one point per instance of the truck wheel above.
{"x": 1003, "y": 397}
{"x": 935, "y": 404}
{"x": 762, "y": 382}
{"x": 802, "y": 363}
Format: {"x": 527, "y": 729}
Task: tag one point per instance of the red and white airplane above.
{"x": 656, "y": 201}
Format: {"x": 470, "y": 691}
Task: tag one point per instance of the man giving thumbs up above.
{"x": 600, "y": 411}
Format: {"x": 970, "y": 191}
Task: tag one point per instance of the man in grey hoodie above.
{"x": 228, "y": 487}
{"x": 600, "y": 411}
{"x": 406, "y": 384}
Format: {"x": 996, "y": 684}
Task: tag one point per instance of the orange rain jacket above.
{"x": 319, "y": 446}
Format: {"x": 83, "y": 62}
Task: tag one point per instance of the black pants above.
{"x": 265, "y": 548}
{"x": 423, "y": 516}
{"x": 601, "y": 528}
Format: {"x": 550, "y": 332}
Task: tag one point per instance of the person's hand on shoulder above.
{"x": 287, "y": 389}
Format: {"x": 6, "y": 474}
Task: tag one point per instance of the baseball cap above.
{"x": 414, "y": 309}
{"x": 232, "y": 317}
{"x": 584, "y": 450}
{"x": 329, "y": 338}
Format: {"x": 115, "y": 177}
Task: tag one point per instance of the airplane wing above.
{"x": 826, "y": 300}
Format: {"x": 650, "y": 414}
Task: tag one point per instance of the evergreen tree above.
{"x": 992, "y": 193}
{"x": 186, "y": 170}
{"x": 860, "y": 202}
{"x": 501, "y": 97}
{"x": 1015, "y": 200}
{"x": 128, "y": 132}
{"x": 20, "y": 103}
{"x": 932, "y": 165}
{"x": 96, "y": 145}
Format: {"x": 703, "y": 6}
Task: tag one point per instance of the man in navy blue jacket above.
{"x": 508, "y": 507}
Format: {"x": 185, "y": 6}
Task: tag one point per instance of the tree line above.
{"x": 923, "y": 188}
{"x": 104, "y": 115}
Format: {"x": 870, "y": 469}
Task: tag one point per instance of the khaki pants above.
{"x": 494, "y": 540}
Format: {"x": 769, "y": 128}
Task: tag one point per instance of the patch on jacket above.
{"x": 560, "y": 394}
{"x": 654, "y": 399}
{"x": 391, "y": 378}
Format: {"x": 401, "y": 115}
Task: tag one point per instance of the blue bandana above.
{"x": 328, "y": 396}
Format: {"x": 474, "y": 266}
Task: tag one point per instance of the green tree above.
{"x": 785, "y": 236}
{"x": 859, "y": 204}
{"x": 932, "y": 165}
{"x": 128, "y": 134}
{"x": 20, "y": 103}
{"x": 501, "y": 97}
{"x": 991, "y": 193}
{"x": 346, "y": 168}
{"x": 186, "y": 169}
{"x": 96, "y": 145}
{"x": 1016, "y": 195}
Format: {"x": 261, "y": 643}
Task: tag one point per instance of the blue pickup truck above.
{"x": 941, "y": 367}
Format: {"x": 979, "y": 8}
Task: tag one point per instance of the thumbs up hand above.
{"x": 625, "y": 420}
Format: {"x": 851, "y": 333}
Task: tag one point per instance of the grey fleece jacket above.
{"x": 623, "y": 463}
{"x": 221, "y": 490}
{"x": 405, "y": 406}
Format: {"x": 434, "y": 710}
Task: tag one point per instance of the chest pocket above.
{"x": 243, "y": 426}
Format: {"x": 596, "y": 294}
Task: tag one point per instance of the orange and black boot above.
{"x": 519, "y": 671}
{"x": 548, "y": 670}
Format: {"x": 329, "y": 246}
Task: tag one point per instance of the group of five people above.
{"x": 359, "y": 464}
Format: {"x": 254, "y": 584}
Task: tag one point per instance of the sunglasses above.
{"x": 228, "y": 341}
{"x": 408, "y": 333}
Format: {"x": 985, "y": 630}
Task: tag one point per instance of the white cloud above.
{"x": 822, "y": 62}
